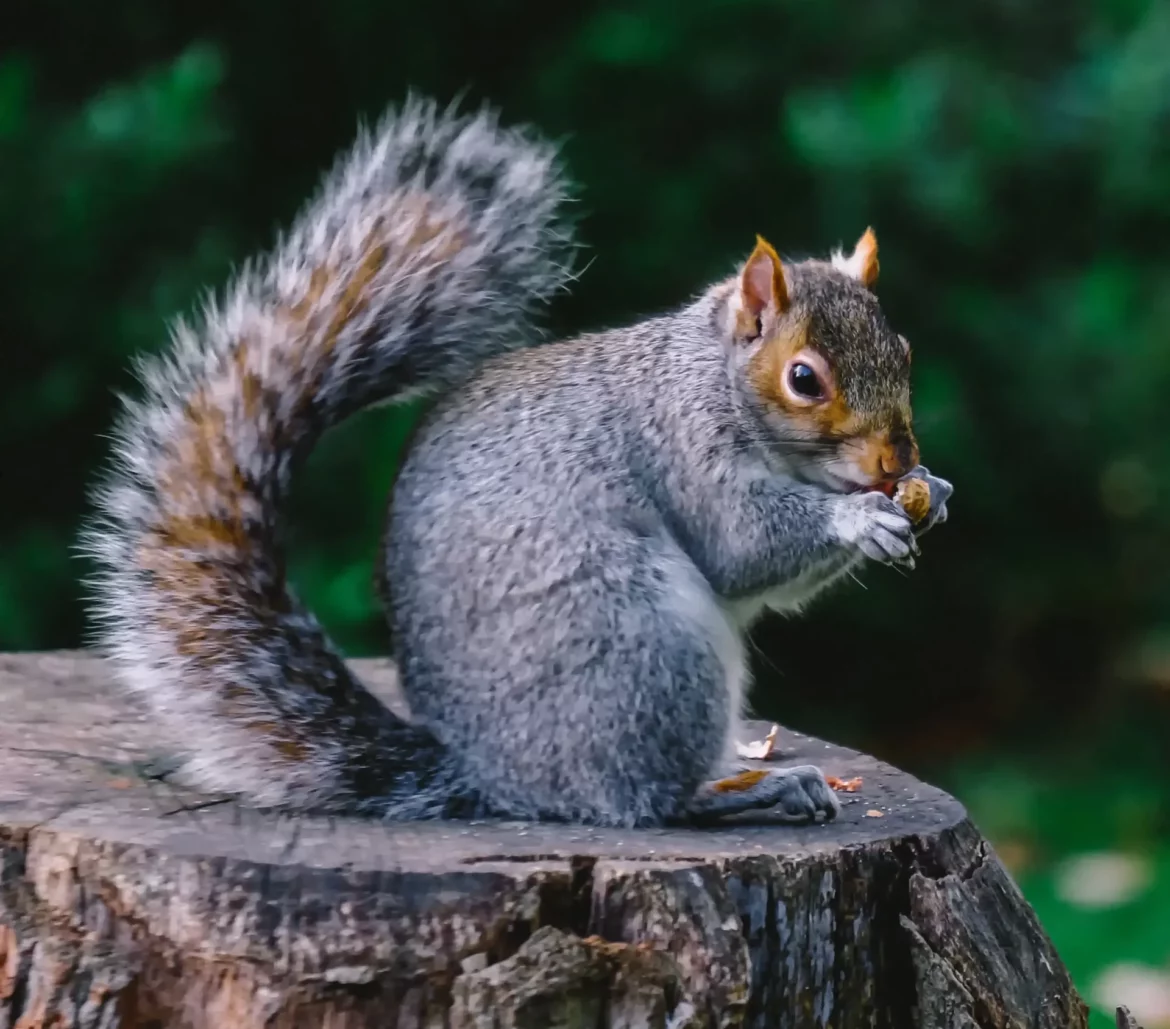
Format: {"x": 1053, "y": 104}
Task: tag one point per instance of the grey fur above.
{"x": 799, "y": 794}
{"x": 423, "y": 255}
{"x": 578, "y": 538}
{"x": 577, "y": 541}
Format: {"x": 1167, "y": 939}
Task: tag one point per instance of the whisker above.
{"x": 764, "y": 656}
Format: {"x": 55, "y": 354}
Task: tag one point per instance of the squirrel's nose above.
{"x": 899, "y": 457}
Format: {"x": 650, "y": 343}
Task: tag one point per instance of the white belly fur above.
{"x": 789, "y": 598}
{"x": 690, "y": 595}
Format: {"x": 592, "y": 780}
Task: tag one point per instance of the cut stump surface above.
{"x": 128, "y": 902}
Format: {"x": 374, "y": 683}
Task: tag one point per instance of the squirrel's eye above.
{"x": 804, "y": 381}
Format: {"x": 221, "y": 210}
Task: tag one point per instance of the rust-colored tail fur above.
{"x": 423, "y": 255}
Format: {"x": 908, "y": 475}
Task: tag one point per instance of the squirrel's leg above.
{"x": 770, "y": 533}
{"x": 799, "y": 794}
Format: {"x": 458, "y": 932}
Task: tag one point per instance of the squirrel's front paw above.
{"x": 876, "y": 526}
{"x": 940, "y": 493}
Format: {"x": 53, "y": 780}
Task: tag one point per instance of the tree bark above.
{"x": 129, "y": 902}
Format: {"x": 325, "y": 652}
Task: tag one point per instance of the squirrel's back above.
{"x": 424, "y": 254}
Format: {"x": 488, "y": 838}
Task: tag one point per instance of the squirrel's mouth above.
{"x": 841, "y": 484}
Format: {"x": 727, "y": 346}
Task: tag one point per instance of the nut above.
{"x": 913, "y": 496}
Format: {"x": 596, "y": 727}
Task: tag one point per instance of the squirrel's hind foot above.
{"x": 799, "y": 794}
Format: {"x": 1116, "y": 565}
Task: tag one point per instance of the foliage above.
{"x": 1013, "y": 156}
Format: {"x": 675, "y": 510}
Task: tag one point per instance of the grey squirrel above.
{"x": 579, "y": 535}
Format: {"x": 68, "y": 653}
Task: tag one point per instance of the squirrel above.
{"x": 580, "y": 533}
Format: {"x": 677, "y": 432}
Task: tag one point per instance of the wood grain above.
{"x": 129, "y": 901}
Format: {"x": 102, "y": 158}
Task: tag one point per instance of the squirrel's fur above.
{"x": 580, "y": 531}
{"x": 423, "y": 255}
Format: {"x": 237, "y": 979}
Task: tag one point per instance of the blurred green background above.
{"x": 1014, "y": 158}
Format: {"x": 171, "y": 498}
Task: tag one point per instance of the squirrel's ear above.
{"x": 862, "y": 264}
{"x": 762, "y": 282}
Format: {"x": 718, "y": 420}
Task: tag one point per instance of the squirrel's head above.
{"x": 826, "y": 376}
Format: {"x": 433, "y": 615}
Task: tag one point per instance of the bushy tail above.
{"x": 423, "y": 255}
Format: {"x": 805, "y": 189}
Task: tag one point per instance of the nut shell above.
{"x": 913, "y": 496}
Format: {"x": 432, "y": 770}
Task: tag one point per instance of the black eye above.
{"x": 804, "y": 381}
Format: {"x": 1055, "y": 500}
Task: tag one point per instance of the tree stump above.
{"x": 128, "y": 902}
